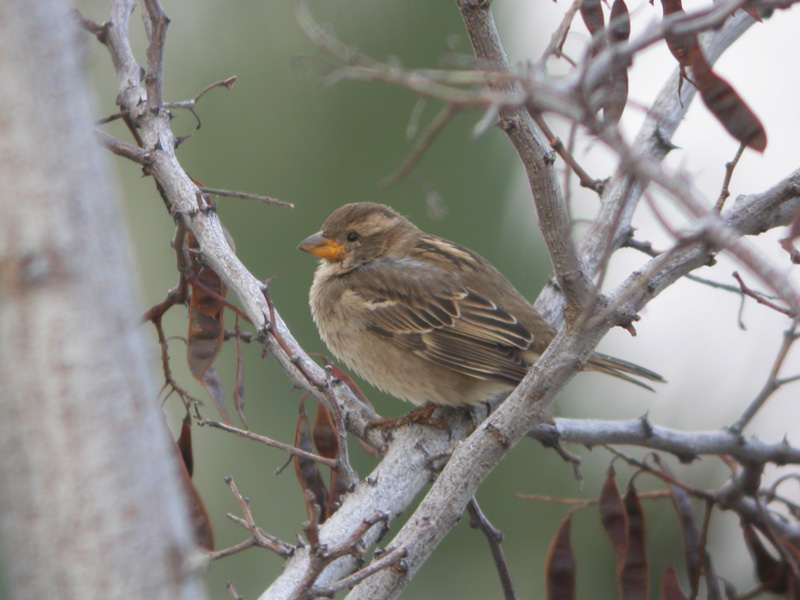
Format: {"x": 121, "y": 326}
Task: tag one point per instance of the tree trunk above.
{"x": 90, "y": 503}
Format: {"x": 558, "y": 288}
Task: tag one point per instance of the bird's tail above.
{"x": 622, "y": 369}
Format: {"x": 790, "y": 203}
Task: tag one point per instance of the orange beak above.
{"x": 321, "y": 247}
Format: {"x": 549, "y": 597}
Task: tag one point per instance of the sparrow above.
{"x": 425, "y": 319}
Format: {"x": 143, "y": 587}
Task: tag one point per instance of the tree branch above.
{"x": 687, "y": 446}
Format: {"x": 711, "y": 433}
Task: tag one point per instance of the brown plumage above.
{"x": 422, "y": 318}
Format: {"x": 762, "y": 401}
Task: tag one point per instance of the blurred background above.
{"x": 277, "y": 133}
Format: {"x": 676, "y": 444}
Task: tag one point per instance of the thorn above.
{"x": 644, "y": 420}
{"x": 686, "y": 459}
{"x": 666, "y": 145}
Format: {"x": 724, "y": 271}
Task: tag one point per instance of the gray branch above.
{"x": 687, "y": 446}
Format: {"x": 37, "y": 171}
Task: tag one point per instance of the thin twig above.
{"x": 342, "y": 463}
{"x": 729, "y": 167}
{"x": 99, "y": 31}
{"x": 478, "y": 520}
{"x": 421, "y": 146}
{"x": 234, "y": 593}
{"x": 123, "y": 149}
{"x": 389, "y": 559}
{"x": 246, "y": 196}
{"x": 665, "y": 477}
{"x": 647, "y": 248}
{"x": 169, "y": 381}
{"x": 651, "y": 495}
{"x": 156, "y": 23}
{"x": 226, "y": 83}
{"x": 321, "y": 556}
{"x": 772, "y": 383}
{"x": 556, "y": 44}
{"x": 235, "y": 549}
{"x": 758, "y": 297}
{"x": 556, "y": 144}
{"x": 567, "y": 185}
{"x": 293, "y": 450}
{"x": 261, "y": 539}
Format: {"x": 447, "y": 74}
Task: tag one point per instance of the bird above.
{"x": 425, "y": 319}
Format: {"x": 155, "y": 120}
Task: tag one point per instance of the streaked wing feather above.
{"x": 474, "y": 358}
{"x": 447, "y": 324}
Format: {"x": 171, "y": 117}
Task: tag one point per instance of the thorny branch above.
{"x": 514, "y": 99}
{"x": 686, "y": 446}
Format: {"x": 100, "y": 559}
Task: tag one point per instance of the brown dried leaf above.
{"x": 307, "y": 470}
{"x": 691, "y": 534}
{"x": 680, "y": 46}
{"x": 213, "y": 386}
{"x": 592, "y": 14}
{"x": 691, "y": 540}
{"x": 206, "y": 323}
{"x": 326, "y": 439}
{"x": 616, "y": 96}
{"x": 185, "y": 445}
{"x": 616, "y": 91}
{"x": 634, "y": 578}
{"x": 726, "y": 105}
{"x": 619, "y": 23}
{"x": 201, "y": 523}
{"x": 670, "y": 588}
{"x": 774, "y": 574}
{"x": 613, "y": 517}
{"x": 560, "y": 564}
{"x": 338, "y": 491}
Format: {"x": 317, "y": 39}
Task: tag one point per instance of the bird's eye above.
{"x": 352, "y": 236}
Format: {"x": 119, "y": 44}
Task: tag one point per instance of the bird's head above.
{"x": 357, "y": 234}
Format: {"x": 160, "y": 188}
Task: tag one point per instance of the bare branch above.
{"x": 772, "y": 384}
{"x": 760, "y": 298}
{"x": 478, "y": 520}
{"x": 190, "y": 104}
{"x": 294, "y": 451}
{"x": 729, "y": 167}
{"x": 687, "y": 446}
{"x": 426, "y": 139}
{"x": 261, "y": 539}
{"x": 246, "y": 196}
{"x": 387, "y": 560}
{"x": 123, "y": 149}
{"x": 537, "y": 158}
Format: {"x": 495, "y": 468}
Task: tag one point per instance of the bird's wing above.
{"x": 428, "y": 311}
